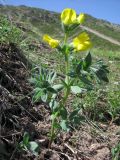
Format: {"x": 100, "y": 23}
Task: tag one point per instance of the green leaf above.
{"x": 87, "y": 62}
{"x": 64, "y": 125}
{"x": 56, "y": 125}
{"x": 33, "y": 147}
{"x": 64, "y": 83}
{"x": 75, "y": 118}
{"x": 65, "y": 49}
{"x": 37, "y": 96}
{"x": 101, "y": 74}
{"x": 100, "y": 70}
{"x": 78, "y": 119}
{"x": 71, "y": 82}
{"x": 53, "y": 105}
{"x": 85, "y": 80}
{"x": 58, "y": 87}
{"x": 77, "y": 90}
{"x": 74, "y": 113}
{"x": 54, "y": 115}
{"x": 113, "y": 152}
{"x": 37, "y": 89}
{"x": 25, "y": 139}
{"x": 45, "y": 84}
{"x": 63, "y": 113}
{"x": 44, "y": 97}
{"x": 51, "y": 77}
{"x": 79, "y": 67}
{"x": 72, "y": 74}
{"x": 51, "y": 89}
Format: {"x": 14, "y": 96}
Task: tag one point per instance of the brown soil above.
{"x": 18, "y": 114}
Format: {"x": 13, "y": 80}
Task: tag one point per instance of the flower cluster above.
{"x": 71, "y": 21}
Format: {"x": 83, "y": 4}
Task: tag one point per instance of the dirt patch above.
{"x": 90, "y": 141}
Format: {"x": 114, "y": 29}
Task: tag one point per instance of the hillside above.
{"x": 36, "y": 22}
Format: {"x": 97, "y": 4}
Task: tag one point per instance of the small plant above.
{"x": 81, "y": 75}
{"x": 29, "y": 146}
{"x": 116, "y": 152}
{"x": 43, "y": 81}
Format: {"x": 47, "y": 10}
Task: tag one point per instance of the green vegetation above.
{"x": 116, "y": 152}
{"x": 8, "y": 32}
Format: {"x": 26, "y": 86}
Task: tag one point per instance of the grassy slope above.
{"x": 36, "y": 22}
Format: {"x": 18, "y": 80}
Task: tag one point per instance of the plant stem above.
{"x": 66, "y": 70}
{"x": 65, "y": 38}
{"x": 67, "y": 91}
{"x": 66, "y": 59}
{"x": 52, "y": 133}
{"x": 66, "y": 95}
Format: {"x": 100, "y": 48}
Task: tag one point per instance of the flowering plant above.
{"x": 81, "y": 75}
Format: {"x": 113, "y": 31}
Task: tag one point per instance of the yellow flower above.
{"x": 68, "y": 16}
{"x": 82, "y": 42}
{"x": 81, "y": 18}
{"x": 52, "y": 42}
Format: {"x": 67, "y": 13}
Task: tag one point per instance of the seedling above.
{"x": 29, "y": 146}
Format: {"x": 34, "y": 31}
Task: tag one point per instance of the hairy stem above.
{"x": 66, "y": 59}
{"x": 65, "y": 38}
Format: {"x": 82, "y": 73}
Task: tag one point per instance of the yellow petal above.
{"x": 81, "y": 18}
{"x": 46, "y": 38}
{"x": 82, "y": 42}
{"x": 68, "y": 16}
{"x": 52, "y": 42}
